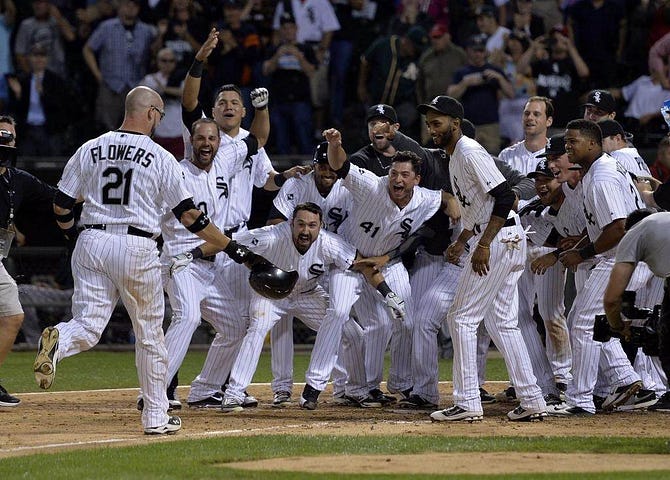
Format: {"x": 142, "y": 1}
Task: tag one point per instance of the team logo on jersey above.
{"x": 248, "y": 164}
{"x": 406, "y": 226}
{"x": 589, "y": 217}
{"x": 223, "y": 186}
{"x": 362, "y": 170}
{"x": 316, "y": 270}
{"x": 336, "y": 216}
{"x": 289, "y": 196}
{"x": 461, "y": 198}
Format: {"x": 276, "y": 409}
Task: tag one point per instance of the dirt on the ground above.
{"x": 56, "y": 421}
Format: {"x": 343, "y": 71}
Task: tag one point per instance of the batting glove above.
{"x": 238, "y": 253}
{"x": 396, "y": 306}
{"x": 260, "y": 97}
{"x": 180, "y": 262}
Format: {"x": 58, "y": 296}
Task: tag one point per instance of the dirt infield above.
{"x": 49, "y": 422}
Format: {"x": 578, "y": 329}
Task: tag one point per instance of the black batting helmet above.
{"x": 321, "y": 154}
{"x": 272, "y": 282}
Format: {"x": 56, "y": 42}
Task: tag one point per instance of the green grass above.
{"x": 197, "y": 459}
{"x": 103, "y": 369}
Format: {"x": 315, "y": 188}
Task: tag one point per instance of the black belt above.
{"x": 138, "y": 232}
{"x": 510, "y": 222}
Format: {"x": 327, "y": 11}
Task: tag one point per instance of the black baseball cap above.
{"x": 468, "y": 128}
{"x": 610, "y": 128}
{"x": 321, "y": 153}
{"x": 601, "y": 99}
{"x": 541, "y": 170}
{"x": 382, "y": 110}
{"x": 443, "y": 104}
{"x": 555, "y": 146}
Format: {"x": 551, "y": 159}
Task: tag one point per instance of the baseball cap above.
{"x": 321, "y": 153}
{"x": 438, "y": 30}
{"x": 443, "y": 104}
{"x": 477, "y": 42}
{"x": 555, "y": 146}
{"x": 418, "y": 36}
{"x": 601, "y": 99}
{"x": 286, "y": 17}
{"x": 541, "y": 170}
{"x": 382, "y": 111}
{"x": 486, "y": 11}
{"x": 611, "y": 128}
{"x": 468, "y": 128}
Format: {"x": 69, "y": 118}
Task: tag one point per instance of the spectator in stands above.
{"x": 388, "y": 74}
{"x": 479, "y": 87}
{"x": 598, "y": 29}
{"x": 316, "y": 22}
{"x": 341, "y": 53}
{"x": 236, "y": 60}
{"x": 659, "y": 55}
{"x": 290, "y": 66}
{"x": 559, "y": 73}
{"x": 182, "y": 32}
{"x": 660, "y": 169}
{"x": 26, "y": 192}
{"x": 48, "y": 29}
{"x": 487, "y": 22}
{"x": 524, "y": 20}
{"x": 260, "y": 14}
{"x": 44, "y": 103}
{"x": 169, "y": 86}
{"x": 437, "y": 67}
{"x": 7, "y": 19}
{"x": 409, "y": 14}
{"x": 118, "y": 54}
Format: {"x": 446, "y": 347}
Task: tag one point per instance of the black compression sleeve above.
{"x": 252, "y": 144}
{"x": 344, "y": 171}
{"x": 64, "y": 201}
{"x": 184, "y": 206}
{"x": 504, "y": 200}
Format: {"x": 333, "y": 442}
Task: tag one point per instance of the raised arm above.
{"x": 336, "y": 154}
{"x": 189, "y": 99}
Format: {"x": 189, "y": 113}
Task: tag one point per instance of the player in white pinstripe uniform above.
{"x": 126, "y": 181}
{"x": 236, "y": 194}
{"x": 608, "y": 196}
{"x": 385, "y": 211}
{"x": 614, "y": 143}
{"x": 323, "y": 188}
{"x": 198, "y": 292}
{"x": 486, "y": 289}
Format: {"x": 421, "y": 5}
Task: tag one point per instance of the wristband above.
{"x": 196, "y": 69}
{"x": 280, "y": 179}
{"x": 588, "y": 251}
{"x": 196, "y": 253}
{"x": 384, "y": 289}
{"x": 200, "y": 223}
{"x": 66, "y": 217}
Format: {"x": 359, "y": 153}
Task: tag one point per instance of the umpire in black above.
{"x": 18, "y": 191}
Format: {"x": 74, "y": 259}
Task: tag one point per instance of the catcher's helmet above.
{"x": 271, "y": 281}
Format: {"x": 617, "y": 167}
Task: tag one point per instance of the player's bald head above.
{"x": 141, "y": 98}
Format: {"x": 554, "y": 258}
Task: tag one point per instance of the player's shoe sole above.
{"x": 172, "y": 426}
{"x": 45, "y": 362}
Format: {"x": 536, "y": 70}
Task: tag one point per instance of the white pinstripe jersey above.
{"x": 631, "y": 160}
{"x": 519, "y": 158}
{"x": 275, "y": 243}
{"x": 609, "y": 194}
{"x": 473, "y": 174}
{"x": 336, "y": 205}
{"x": 125, "y": 179}
{"x": 534, "y": 218}
{"x": 569, "y": 220}
{"x": 209, "y": 188}
{"x": 377, "y": 225}
{"x": 255, "y": 172}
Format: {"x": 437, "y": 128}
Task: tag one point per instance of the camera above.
{"x": 643, "y": 328}
{"x": 7, "y": 152}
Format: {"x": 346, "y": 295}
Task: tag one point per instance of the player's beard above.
{"x": 302, "y": 242}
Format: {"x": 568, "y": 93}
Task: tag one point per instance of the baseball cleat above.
{"x": 520, "y": 414}
{"x": 662, "y": 405}
{"x": 567, "y": 410}
{"x": 456, "y": 413}
{"x": 621, "y": 395}
{"x": 230, "y": 405}
{"x": 249, "y": 401}
{"x": 342, "y": 400}
{"x": 213, "y": 401}
{"x": 507, "y": 396}
{"x": 642, "y": 399}
{"x": 281, "y": 399}
{"x": 47, "y": 357}
{"x": 7, "y": 400}
{"x": 485, "y": 397}
{"x": 309, "y": 397}
{"x": 415, "y": 402}
{"x": 378, "y": 396}
{"x": 172, "y": 426}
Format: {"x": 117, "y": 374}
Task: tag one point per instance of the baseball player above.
{"x": 126, "y": 180}
{"x": 198, "y": 292}
{"x": 236, "y": 194}
{"x": 385, "y": 211}
{"x": 486, "y": 288}
{"x": 17, "y": 189}
{"x": 608, "y": 196}
{"x": 614, "y": 143}
{"x": 600, "y": 105}
{"x": 323, "y": 188}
